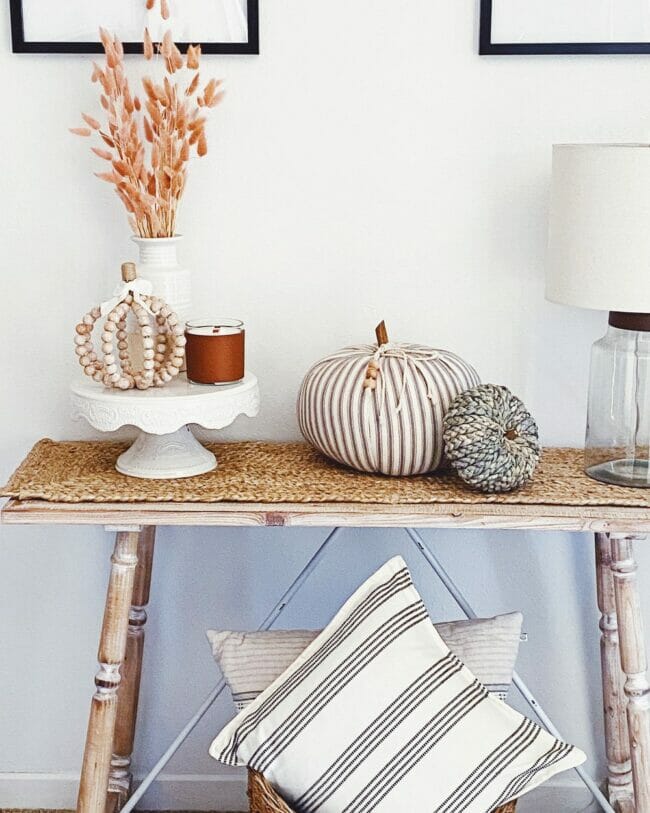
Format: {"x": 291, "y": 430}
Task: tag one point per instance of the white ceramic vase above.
{"x": 158, "y": 263}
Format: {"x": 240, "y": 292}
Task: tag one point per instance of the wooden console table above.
{"x": 75, "y": 484}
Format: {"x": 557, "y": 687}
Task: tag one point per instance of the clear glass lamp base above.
{"x": 634, "y": 473}
{"x": 617, "y": 444}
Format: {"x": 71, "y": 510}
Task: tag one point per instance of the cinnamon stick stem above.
{"x": 381, "y": 333}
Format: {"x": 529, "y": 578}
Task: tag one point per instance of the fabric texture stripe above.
{"x": 251, "y": 661}
{"x": 396, "y": 428}
{"x": 376, "y": 714}
{"x": 378, "y": 597}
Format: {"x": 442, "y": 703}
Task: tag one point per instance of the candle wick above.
{"x": 216, "y": 329}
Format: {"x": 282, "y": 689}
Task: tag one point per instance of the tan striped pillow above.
{"x": 395, "y": 428}
{"x": 251, "y": 661}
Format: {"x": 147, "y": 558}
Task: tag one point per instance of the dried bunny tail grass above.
{"x": 167, "y": 45}
{"x": 91, "y": 122}
{"x": 148, "y": 141}
{"x": 210, "y": 96}
{"x": 193, "y": 56}
{"x": 164, "y": 9}
{"x": 191, "y": 88}
{"x": 147, "y": 44}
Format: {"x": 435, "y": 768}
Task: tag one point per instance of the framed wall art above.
{"x": 220, "y": 26}
{"x": 565, "y": 27}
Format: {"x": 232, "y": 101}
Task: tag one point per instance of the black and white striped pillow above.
{"x": 378, "y": 714}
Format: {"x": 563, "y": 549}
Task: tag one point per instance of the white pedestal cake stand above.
{"x": 165, "y": 447}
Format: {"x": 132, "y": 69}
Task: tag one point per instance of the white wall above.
{"x": 368, "y": 164}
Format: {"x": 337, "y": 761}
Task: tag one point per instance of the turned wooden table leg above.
{"x": 617, "y": 744}
{"x": 634, "y": 665}
{"x": 120, "y": 777}
{"x": 93, "y": 787}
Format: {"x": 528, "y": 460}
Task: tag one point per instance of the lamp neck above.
{"x": 630, "y": 321}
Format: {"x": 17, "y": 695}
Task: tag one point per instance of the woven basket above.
{"x": 264, "y": 799}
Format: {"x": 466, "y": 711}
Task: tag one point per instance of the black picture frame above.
{"x": 20, "y": 46}
{"x": 487, "y": 47}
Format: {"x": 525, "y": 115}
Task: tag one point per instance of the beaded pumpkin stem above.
{"x": 163, "y": 342}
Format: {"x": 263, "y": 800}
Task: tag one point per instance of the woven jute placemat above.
{"x": 84, "y": 471}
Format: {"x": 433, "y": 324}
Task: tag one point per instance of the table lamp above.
{"x": 599, "y": 257}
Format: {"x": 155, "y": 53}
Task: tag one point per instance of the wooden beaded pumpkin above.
{"x": 163, "y": 339}
{"x": 380, "y": 407}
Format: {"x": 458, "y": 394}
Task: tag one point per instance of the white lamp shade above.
{"x": 599, "y": 231}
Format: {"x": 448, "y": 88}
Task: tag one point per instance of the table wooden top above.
{"x": 521, "y": 517}
{"x": 275, "y": 484}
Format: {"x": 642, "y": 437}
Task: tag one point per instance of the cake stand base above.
{"x": 165, "y": 457}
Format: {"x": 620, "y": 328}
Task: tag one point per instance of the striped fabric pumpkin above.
{"x": 395, "y": 428}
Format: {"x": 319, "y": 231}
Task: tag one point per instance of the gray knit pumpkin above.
{"x": 491, "y": 439}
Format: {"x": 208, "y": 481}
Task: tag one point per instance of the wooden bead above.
{"x": 370, "y": 384}
{"x": 162, "y": 340}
